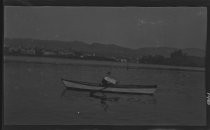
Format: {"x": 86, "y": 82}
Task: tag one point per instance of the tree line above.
{"x": 177, "y": 58}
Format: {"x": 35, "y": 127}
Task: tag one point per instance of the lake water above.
{"x": 33, "y": 96}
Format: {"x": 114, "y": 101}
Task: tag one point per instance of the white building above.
{"x": 49, "y": 53}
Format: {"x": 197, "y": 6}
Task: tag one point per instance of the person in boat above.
{"x": 107, "y": 81}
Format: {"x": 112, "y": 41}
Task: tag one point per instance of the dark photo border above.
{"x": 114, "y": 3}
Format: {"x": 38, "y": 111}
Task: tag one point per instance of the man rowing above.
{"x": 107, "y": 81}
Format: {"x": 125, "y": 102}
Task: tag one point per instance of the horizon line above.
{"x": 91, "y": 43}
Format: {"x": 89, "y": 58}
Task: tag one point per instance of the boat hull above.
{"x": 84, "y": 86}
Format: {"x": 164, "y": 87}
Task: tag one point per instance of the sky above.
{"x": 132, "y": 27}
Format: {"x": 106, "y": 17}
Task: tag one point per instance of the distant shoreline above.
{"x": 48, "y": 60}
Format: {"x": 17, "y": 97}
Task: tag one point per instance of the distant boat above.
{"x": 128, "y": 89}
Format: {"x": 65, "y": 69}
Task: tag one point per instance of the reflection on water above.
{"x": 104, "y": 98}
{"x": 98, "y": 95}
{"x": 149, "y": 100}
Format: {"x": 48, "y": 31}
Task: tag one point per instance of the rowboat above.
{"x": 128, "y": 89}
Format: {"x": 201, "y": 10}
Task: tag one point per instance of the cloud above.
{"x": 144, "y": 21}
{"x": 141, "y": 22}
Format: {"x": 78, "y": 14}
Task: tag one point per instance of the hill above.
{"x": 107, "y": 50}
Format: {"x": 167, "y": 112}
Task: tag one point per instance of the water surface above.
{"x": 32, "y": 96}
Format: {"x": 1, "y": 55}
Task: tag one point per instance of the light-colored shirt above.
{"x": 110, "y": 80}
{"x": 208, "y": 99}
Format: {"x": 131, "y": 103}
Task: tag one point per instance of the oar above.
{"x": 103, "y": 88}
{"x": 63, "y": 92}
{"x": 100, "y": 90}
{"x": 126, "y": 65}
